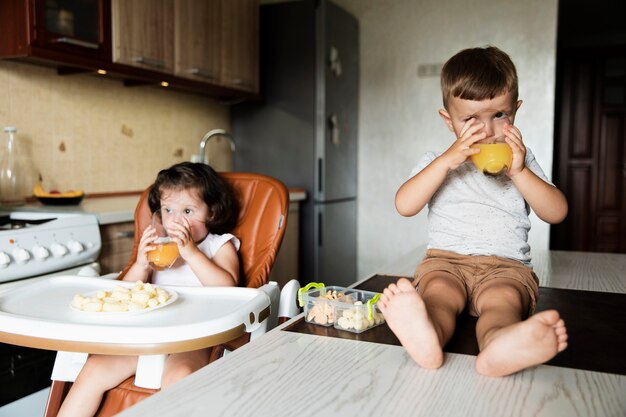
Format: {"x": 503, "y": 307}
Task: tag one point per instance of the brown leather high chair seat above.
{"x": 264, "y": 203}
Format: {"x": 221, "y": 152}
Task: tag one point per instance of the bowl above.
{"x": 61, "y": 201}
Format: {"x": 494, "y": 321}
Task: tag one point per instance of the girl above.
{"x": 198, "y": 209}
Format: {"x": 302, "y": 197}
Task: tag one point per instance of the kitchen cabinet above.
{"x": 117, "y": 246}
{"x": 75, "y": 32}
{"x": 240, "y": 45}
{"x": 143, "y": 35}
{"x": 209, "y": 47}
{"x": 198, "y": 39}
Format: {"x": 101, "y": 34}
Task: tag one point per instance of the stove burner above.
{"x": 7, "y": 223}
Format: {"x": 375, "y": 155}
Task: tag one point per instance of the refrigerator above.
{"x": 303, "y": 130}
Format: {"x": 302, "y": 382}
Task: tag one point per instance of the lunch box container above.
{"x": 344, "y": 308}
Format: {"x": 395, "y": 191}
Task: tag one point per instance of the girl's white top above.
{"x": 181, "y": 274}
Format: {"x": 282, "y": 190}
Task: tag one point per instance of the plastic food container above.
{"x": 319, "y": 301}
{"x": 344, "y": 308}
{"x": 358, "y": 312}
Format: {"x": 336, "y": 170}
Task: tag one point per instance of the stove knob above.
{"x": 75, "y": 246}
{"x": 58, "y": 250}
{"x": 4, "y": 260}
{"x": 21, "y": 255}
{"x": 41, "y": 253}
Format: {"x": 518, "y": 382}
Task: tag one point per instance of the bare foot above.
{"x": 406, "y": 315}
{"x": 524, "y": 344}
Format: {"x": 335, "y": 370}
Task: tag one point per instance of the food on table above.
{"x": 356, "y": 318}
{"x": 322, "y": 311}
{"x": 120, "y": 299}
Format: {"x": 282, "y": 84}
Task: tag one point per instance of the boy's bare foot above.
{"x": 524, "y": 344}
{"x": 406, "y": 315}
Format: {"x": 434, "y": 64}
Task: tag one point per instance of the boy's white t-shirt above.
{"x": 181, "y": 274}
{"x": 474, "y": 214}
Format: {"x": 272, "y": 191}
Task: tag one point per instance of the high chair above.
{"x": 264, "y": 203}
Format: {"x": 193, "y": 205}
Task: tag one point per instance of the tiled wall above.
{"x": 92, "y": 133}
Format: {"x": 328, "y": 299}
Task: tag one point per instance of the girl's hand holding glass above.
{"x": 165, "y": 250}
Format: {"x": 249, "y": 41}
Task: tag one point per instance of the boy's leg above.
{"x": 99, "y": 374}
{"x": 507, "y": 343}
{"x": 424, "y": 322}
{"x": 180, "y": 365}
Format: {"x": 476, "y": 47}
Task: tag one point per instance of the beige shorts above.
{"x": 473, "y": 271}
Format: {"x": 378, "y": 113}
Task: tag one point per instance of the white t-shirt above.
{"x": 181, "y": 274}
{"x": 474, "y": 214}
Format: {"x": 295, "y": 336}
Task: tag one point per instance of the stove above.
{"x": 39, "y": 243}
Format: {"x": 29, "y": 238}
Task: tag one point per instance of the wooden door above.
{"x": 240, "y": 44}
{"x": 143, "y": 33}
{"x": 590, "y": 150}
{"x": 198, "y": 39}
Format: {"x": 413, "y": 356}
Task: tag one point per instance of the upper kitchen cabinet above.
{"x": 75, "y": 32}
{"x": 209, "y": 47}
{"x": 198, "y": 39}
{"x": 143, "y": 33}
{"x": 240, "y": 44}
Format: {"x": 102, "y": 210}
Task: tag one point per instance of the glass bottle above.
{"x": 15, "y": 173}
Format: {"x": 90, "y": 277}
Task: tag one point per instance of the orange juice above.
{"x": 493, "y": 159}
{"x": 163, "y": 256}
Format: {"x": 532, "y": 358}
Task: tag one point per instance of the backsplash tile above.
{"x": 115, "y": 138}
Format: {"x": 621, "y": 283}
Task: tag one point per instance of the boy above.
{"x": 478, "y": 256}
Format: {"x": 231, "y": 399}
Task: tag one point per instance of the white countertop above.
{"x": 110, "y": 210}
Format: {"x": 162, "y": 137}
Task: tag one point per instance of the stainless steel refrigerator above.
{"x": 304, "y": 129}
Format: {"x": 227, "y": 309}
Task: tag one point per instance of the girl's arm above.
{"x": 140, "y": 271}
{"x": 222, "y": 270}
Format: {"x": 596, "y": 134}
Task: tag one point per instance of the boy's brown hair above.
{"x": 478, "y": 74}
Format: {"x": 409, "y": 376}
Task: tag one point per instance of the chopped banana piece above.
{"x": 139, "y": 297}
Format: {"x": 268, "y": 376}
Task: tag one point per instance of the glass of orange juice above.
{"x": 494, "y": 158}
{"x": 166, "y": 251}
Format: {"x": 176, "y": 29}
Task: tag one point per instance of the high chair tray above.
{"x": 39, "y": 315}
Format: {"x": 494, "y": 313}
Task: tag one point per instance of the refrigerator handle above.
{"x": 319, "y": 229}
{"x": 319, "y": 175}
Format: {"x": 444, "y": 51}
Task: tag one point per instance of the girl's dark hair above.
{"x": 218, "y": 195}
{"x": 478, "y": 74}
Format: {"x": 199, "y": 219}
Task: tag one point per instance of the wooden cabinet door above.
{"x": 240, "y": 44}
{"x": 143, "y": 33}
{"x": 198, "y": 39}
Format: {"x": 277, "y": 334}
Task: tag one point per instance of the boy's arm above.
{"x": 414, "y": 194}
{"x": 547, "y": 201}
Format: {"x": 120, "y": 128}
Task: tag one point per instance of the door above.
{"x": 338, "y": 103}
{"x": 197, "y": 39}
{"x": 143, "y": 33}
{"x": 591, "y": 150}
{"x": 336, "y": 240}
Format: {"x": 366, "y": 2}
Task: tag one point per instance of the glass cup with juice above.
{"x": 494, "y": 158}
{"x": 165, "y": 253}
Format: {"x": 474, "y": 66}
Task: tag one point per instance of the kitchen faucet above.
{"x": 207, "y": 138}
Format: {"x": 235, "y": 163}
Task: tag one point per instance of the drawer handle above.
{"x": 150, "y": 62}
{"x": 76, "y": 42}
{"x": 199, "y": 72}
{"x": 125, "y": 234}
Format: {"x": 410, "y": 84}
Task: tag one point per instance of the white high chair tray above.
{"x": 39, "y": 315}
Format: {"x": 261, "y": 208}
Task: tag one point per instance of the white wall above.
{"x": 398, "y": 110}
